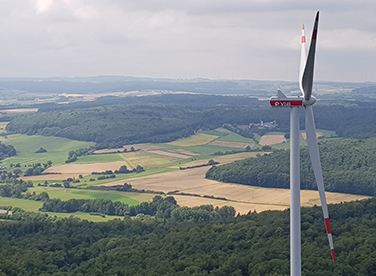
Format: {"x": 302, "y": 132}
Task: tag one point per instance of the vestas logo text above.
{"x": 286, "y": 103}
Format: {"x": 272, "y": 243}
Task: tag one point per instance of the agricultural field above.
{"x": 195, "y": 140}
{"x": 231, "y": 144}
{"x": 99, "y": 158}
{"x": 268, "y": 140}
{"x": 3, "y": 126}
{"x": 161, "y": 163}
{"x": 149, "y": 159}
{"x": 66, "y": 194}
{"x": 18, "y": 110}
{"x": 243, "y": 198}
{"x": 26, "y": 146}
{"x": 85, "y": 169}
{"x": 33, "y": 206}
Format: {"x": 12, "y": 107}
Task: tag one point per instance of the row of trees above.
{"x": 73, "y": 154}
{"x": 122, "y": 170}
{"x": 348, "y": 167}
{"x": 38, "y": 168}
{"x": 16, "y": 189}
{"x": 249, "y": 245}
{"x": 160, "y": 207}
{"x": 108, "y": 207}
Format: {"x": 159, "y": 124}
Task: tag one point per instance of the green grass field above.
{"x": 233, "y": 137}
{"x": 26, "y": 146}
{"x": 33, "y": 206}
{"x": 207, "y": 151}
{"x": 24, "y": 204}
{"x": 217, "y": 132}
{"x": 147, "y": 159}
{"x": 195, "y": 140}
{"x": 66, "y": 194}
{"x": 98, "y": 158}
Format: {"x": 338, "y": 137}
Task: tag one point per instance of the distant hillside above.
{"x": 115, "y": 126}
{"x": 105, "y": 84}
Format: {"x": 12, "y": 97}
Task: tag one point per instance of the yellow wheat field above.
{"x": 243, "y": 198}
{"x": 267, "y": 140}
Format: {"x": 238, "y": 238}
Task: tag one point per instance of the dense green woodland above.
{"x": 165, "y": 118}
{"x": 348, "y": 166}
{"x": 7, "y": 151}
{"x": 255, "y": 244}
{"x": 115, "y": 126}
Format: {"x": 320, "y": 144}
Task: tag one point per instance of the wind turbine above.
{"x": 306, "y": 100}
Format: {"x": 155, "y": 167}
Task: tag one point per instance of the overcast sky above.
{"x": 216, "y": 39}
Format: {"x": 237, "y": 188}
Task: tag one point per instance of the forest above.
{"x": 115, "y": 125}
{"x": 348, "y": 167}
{"x": 7, "y": 151}
{"x": 253, "y": 244}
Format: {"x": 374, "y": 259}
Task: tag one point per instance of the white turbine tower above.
{"x": 305, "y": 84}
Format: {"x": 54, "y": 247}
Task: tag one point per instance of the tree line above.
{"x": 160, "y": 207}
{"x": 348, "y": 167}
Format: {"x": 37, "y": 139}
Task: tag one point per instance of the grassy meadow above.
{"x": 26, "y": 146}
{"x": 195, "y": 140}
{"x": 66, "y": 194}
{"x": 98, "y": 158}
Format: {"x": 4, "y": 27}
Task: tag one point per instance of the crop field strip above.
{"x": 268, "y": 140}
{"x": 242, "y": 197}
{"x": 18, "y": 110}
{"x": 195, "y": 140}
{"x": 3, "y": 126}
{"x": 171, "y": 154}
{"x": 98, "y": 158}
{"x": 86, "y": 169}
{"x": 66, "y": 194}
{"x": 318, "y": 135}
{"x": 231, "y": 144}
{"x": 147, "y": 159}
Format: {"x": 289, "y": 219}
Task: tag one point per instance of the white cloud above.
{"x": 348, "y": 39}
{"x": 209, "y": 38}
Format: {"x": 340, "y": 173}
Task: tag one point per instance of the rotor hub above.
{"x": 310, "y": 102}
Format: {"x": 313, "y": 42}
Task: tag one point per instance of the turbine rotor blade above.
{"x": 316, "y": 164}
{"x": 307, "y": 78}
{"x": 303, "y": 60}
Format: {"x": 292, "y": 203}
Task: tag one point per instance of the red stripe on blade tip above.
{"x": 327, "y": 224}
{"x": 334, "y": 256}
